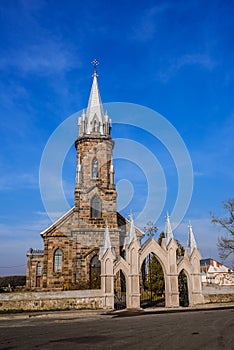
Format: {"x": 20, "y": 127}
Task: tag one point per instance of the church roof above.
{"x": 63, "y": 219}
{"x": 58, "y": 222}
{"x": 125, "y": 222}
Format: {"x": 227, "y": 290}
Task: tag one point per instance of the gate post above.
{"x": 107, "y": 279}
{"x": 133, "y": 290}
{"x": 197, "y": 296}
{"x": 172, "y": 297}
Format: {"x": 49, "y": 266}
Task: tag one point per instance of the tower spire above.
{"x": 94, "y": 121}
{"x": 191, "y": 240}
{"x": 168, "y": 230}
{"x": 107, "y": 242}
{"x": 132, "y": 232}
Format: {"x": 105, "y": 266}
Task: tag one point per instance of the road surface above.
{"x": 211, "y": 329}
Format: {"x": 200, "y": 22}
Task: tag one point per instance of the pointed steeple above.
{"x": 132, "y": 232}
{"x": 168, "y": 230}
{"x": 191, "y": 240}
{"x": 107, "y": 242}
{"x": 94, "y": 120}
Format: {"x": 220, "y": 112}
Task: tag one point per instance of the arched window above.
{"x": 95, "y": 126}
{"x": 95, "y": 168}
{"x": 96, "y": 207}
{"x": 95, "y": 273}
{"x": 38, "y": 269}
{"x": 57, "y": 260}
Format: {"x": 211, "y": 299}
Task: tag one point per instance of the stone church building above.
{"x": 92, "y": 243}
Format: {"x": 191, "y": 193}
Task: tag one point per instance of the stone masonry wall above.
{"x": 101, "y": 149}
{"x": 218, "y": 294}
{"x": 66, "y": 300}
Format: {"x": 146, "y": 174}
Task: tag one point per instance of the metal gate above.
{"x": 183, "y": 289}
{"x": 120, "y": 291}
{"x": 152, "y": 284}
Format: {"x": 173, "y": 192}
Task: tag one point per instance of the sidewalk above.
{"x": 73, "y": 314}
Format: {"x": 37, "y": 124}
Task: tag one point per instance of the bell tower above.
{"x": 95, "y": 194}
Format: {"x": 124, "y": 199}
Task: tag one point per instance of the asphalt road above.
{"x": 211, "y": 329}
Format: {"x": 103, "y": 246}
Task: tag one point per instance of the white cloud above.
{"x": 12, "y": 181}
{"x": 44, "y": 58}
{"x": 147, "y": 25}
{"x": 198, "y": 59}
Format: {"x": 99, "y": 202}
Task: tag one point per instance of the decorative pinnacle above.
{"x": 95, "y": 63}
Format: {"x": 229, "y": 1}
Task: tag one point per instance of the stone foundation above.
{"x": 65, "y": 300}
{"x": 218, "y": 294}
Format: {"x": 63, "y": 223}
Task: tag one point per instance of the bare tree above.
{"x": 226, "y": 242}
{"x": 150, "y": 229}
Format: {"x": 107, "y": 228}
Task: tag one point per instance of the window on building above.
{"x": 57, "y": 260}
{"x": 38, "y": 269}
{"x": 95, "y": 168}
{"x": 96, "y": 210}
{"x": 95, "y": 273}
{"x": 95, "y": 126}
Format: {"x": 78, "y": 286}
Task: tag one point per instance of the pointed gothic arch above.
{"x": 183, "y": 286}
{"x": 152, "y": 282}
{"x": 120, "y": 290}
{"x": 162, "y": 256}
{"x": 95, "y": 273}
{"x": 96, "y": 207}
{"x": 95, "y": 125}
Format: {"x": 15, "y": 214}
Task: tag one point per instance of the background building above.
{"x": 214, "y": 272}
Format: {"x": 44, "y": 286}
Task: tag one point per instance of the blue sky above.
{"x": 175, "y": 57}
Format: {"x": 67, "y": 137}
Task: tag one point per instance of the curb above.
{"x": 114, "y": 313}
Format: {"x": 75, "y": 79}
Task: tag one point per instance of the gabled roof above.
{"x": 138, "y": 231}
{"x": 58, "y": 222}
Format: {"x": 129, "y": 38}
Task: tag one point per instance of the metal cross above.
{"x": 95, "y": 63}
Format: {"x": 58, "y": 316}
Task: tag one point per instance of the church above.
{"x": 92, "y": 246}
{"x": 72, "y": 243}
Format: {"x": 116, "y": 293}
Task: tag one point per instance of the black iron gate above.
{"x": 152, "y": 284}
{"x": 120, "y": 292}
{"x": 183, "y": 289}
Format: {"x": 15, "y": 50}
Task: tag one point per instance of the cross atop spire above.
{"x": 95, "y": 64}
{"x": 93, "y": 121}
